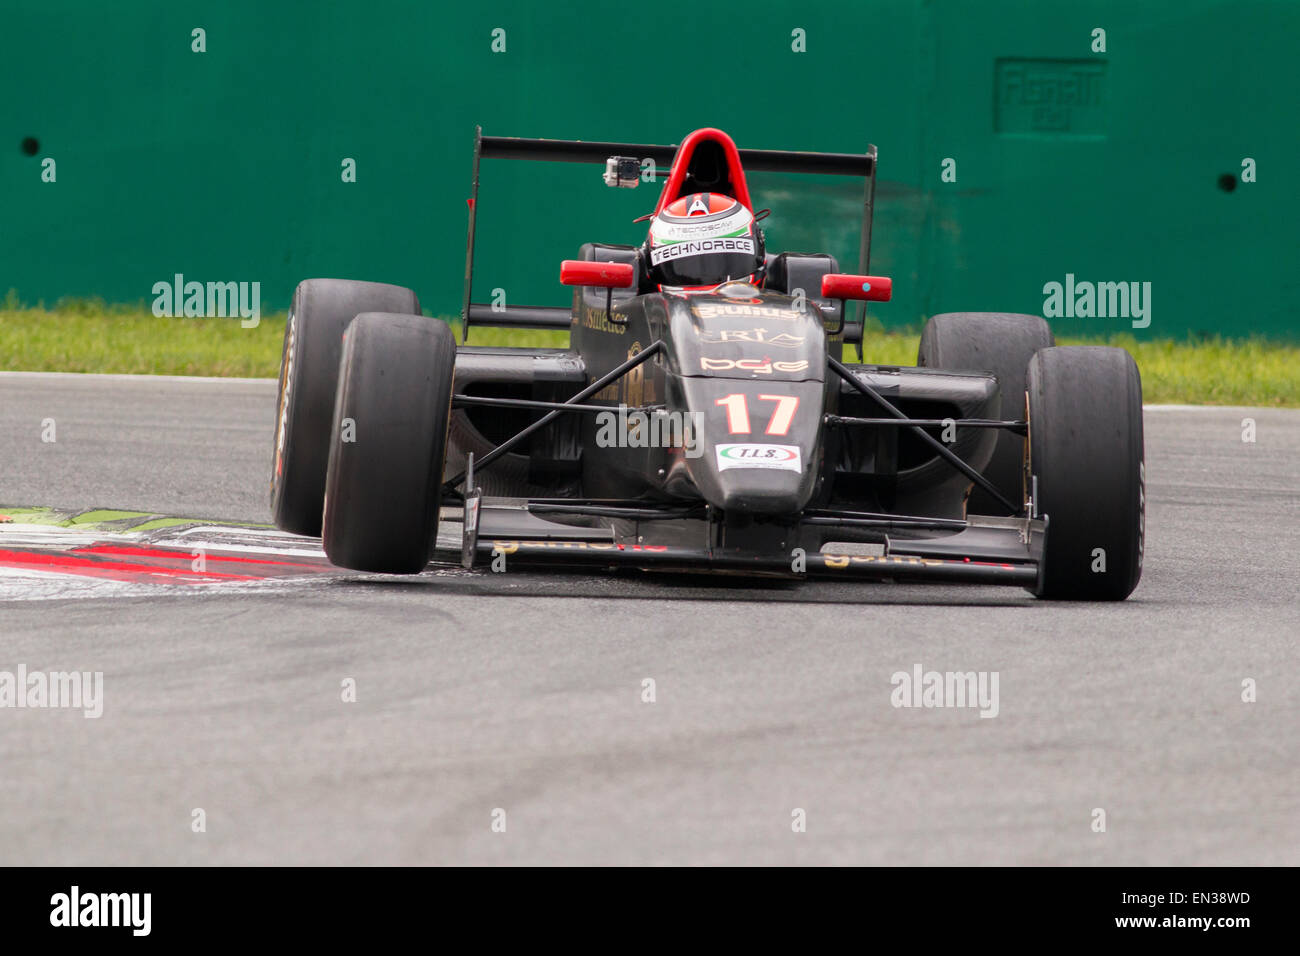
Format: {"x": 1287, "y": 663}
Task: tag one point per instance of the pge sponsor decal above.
{"x": 708, "y": 310}
{"x": 763, "y": 366}
{"x": 773, "y": 457}
{"x": 699, "y": 247}
{"x": 752, "y": 336}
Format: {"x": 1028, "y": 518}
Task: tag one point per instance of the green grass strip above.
{"x": 91, "y": 336}
{"x": 104, "y": 519}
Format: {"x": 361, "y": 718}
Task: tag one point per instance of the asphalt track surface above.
{"x": 524, "y": 692}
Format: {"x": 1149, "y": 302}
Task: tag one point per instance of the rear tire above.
{"x": 309, "y": 370}
{"x": 1086, "y": 457}
{"x": 998, "y": 342}
{"x": 388, "y": 444}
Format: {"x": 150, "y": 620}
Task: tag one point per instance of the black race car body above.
{"x": 745, "y": 368}
{"x": 739, "y": 423}
{"x": 713, "y": 427}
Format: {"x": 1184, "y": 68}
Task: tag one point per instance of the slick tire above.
{"x": 998, "y": 342}
{"x": 1086, "y": 468}
{"x": 388, "y": 443}
{"x": 309, "y": 368}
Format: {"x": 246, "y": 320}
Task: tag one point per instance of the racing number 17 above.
{"x": 738, "y": 413}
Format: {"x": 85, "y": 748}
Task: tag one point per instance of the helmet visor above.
{"x": 704, "y": 261}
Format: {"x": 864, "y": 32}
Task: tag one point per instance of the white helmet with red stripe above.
{"x": 703, "y": 239}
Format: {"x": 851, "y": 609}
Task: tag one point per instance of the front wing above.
{"x": 506, "y": 534}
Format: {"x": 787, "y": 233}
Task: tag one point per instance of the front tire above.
{"x": 1086, "y": 466}
{"x": 383, "y": 488}
{"x": 998, "y": 342}
{"x": 309, "y": 372}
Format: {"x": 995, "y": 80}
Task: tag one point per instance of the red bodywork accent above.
{"x": 682, "y": 161}
{"x": 837, "y": 285}
{"x": 606, "y": 275}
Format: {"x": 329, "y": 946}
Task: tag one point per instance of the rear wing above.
{"x": 578, "y": 151}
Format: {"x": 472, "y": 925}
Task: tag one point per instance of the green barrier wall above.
{"x": 1119, "y": 166}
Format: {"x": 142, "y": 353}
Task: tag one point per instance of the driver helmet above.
{"x": 703, "y": 240}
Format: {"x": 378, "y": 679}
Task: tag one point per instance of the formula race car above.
{"x": 703, "y": 417}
